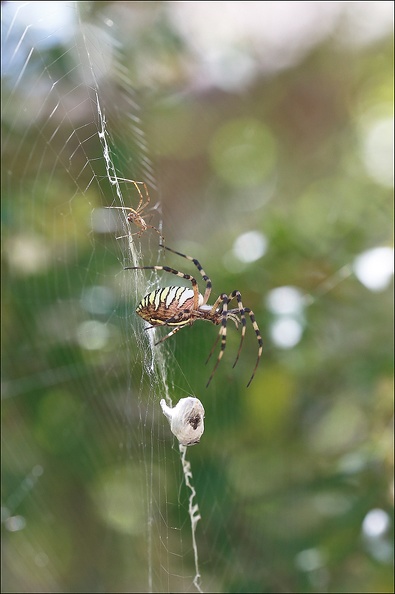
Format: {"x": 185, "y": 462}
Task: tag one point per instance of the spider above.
{"x": 135, "y": 216}
{"x": 181, "y": 306}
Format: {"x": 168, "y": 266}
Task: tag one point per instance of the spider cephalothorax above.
{"x": 178, "y": 307}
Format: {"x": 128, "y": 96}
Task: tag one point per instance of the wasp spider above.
{"x": 178, "y": 307}
{"x": 135, "y": 215}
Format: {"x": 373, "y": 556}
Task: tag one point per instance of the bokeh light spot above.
{"x": 286, "y": 332}
{"x": 378, "y": 151}
{"x": 93, "y": 335}
{"x": 250, "y": 246}
{"x": 309, "y": 560}
{"x": 375, "y": 268}
{"x": 285, "y": 301}
{"x": 375, "y": 523}
{"x": 15, "y": 523}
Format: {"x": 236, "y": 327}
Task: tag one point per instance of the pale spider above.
{"x": 181, "y": 306}
{"x": 135, "y": 215}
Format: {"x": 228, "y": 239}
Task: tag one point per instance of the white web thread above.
{"x": 193, "y": 510}
{"x": 110, "y": 169}
{"x": 157, "y": 361}
{"x": 323, "y": 289}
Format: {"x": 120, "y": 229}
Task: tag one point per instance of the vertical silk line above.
{"x": 194, "y": 513}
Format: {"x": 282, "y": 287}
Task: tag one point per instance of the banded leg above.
{"x": 222, "y": 333}
{"x": 226, "y": 299}
{"x": 241, "y": 311}
{"x": 174, "y": 331}
{"x": 259, "y": 339}
{"x": 199, "y": 267}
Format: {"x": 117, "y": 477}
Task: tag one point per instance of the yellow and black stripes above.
{"x": 178, "y": 307}
{"x": 177, "y": 273}
{"x": 166, "y": 296}
{"x": 226, "y": 314}
{"x": 199, "y": 267}
{"x": 259, "y": 339}
{"x": 169, "y": 306}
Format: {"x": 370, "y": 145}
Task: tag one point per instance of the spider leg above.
{"x": 241, "y": 311}
{"x": 212, "y": 312}
{"x": 213, "y": 347}
{"x": 199, "y": 267}
{"x": 139, "y": 233}
{"x": 122, "y": 208}
{"x": 132, "y": 217}
{"x": 162, "y": 239}
{"x": 137, "y": 219}
{"x": 174, "y": 331}
{"x": 259, "y": 339}
{"x": 141, "y": 206}
{"x": 222, "y": 333}
{"x": 132, "y": 181}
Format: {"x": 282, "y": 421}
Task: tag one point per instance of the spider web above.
{"x": 155, "y": 366}
{"x": 86, "y": 163}
{"x": 289, "y": 485}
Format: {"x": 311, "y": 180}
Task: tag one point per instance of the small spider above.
{"x": 181, "y": 306}
{"x": 135, "y": 216}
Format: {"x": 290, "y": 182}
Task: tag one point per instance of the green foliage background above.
{"x": 287, "y": 470}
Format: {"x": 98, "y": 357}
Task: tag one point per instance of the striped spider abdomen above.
{"x": 178, "y": 307}
{"x": 169, "y": 306}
